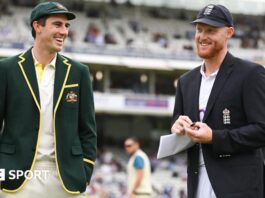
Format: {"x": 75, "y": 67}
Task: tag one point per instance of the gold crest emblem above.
{"x": 71, "y": 97}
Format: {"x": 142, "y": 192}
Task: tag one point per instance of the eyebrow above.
{"x": 60, "y": 22}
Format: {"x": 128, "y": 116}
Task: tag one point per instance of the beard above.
{"x": 209, "y": 53}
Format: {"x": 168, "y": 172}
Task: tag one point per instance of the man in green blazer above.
{"x": 47, "y": 117}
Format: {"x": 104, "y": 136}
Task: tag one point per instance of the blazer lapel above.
{"x": 27, "y": 67}
{"x": 223, "y": 73}
{"x": 194, "y": 96}
{"x": 62, "y": 70}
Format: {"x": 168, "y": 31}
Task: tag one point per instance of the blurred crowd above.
{"x": 154, "y": 30}
{"x": 109, "y": 177}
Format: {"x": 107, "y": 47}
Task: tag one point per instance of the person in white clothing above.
{"x": 138, "y": 169}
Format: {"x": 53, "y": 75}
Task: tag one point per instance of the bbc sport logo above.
{"x": 2, "y": 174}
{"x": 28, "y": 174}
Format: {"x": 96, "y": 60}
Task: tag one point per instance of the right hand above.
{"x": 179, "y": 126}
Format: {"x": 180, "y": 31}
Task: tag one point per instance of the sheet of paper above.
{"x": 173, "y": 144}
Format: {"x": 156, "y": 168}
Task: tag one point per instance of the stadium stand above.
{"x": 135, "y": 32}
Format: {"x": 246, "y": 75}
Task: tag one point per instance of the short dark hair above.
{"x": 42, "y": 22}
{"x": 134, "y": 139}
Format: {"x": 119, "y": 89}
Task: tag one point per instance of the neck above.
{"x": 43, "y": 56}
{"x": 211, "y": 65}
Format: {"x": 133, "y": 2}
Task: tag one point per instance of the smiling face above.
{"x": 212, "y": 41}
{"x": 52, "y": 34}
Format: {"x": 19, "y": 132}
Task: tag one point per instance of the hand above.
{"x": 180, "y": 124}
{"x": 130, "y": 195}
{"x": 200, "y": 132}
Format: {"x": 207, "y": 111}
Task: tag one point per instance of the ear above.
{"x": 36, "y": 26}
{"x": 230, "y": 32}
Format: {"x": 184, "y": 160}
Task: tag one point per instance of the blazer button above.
{"x": 195, "y": 172}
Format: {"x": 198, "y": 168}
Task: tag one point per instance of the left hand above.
{"x": 200, "y": 133}
{"x": 130, "y": 195}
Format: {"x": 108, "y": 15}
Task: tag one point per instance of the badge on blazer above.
{"x": 71, "y": 97}
{"x": 226, "y": 116}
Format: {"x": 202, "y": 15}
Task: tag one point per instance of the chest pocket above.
{"x": 70, "y": 96}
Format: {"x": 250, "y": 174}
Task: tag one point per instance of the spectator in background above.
{"x": 71, "y": 36}
{"x": 4, "y": 8}
{"x": 110, "y": 39}
{"x": 182, "y": 194}
{"x": 161, "y": 39}
{"x": 135, "y": 26}
{"x": 138, "y": 170}
{"x": 167, "y": 192}
{"x": 93, "y": 35}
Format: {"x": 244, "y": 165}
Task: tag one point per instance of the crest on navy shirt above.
{"x": 71, "y": 97}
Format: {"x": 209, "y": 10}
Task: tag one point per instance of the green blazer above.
{"x": 73, "y": 121}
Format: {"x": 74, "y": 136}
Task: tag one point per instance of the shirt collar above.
{"x": 52, "y": 63}
{"x": 214, "y": 74}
